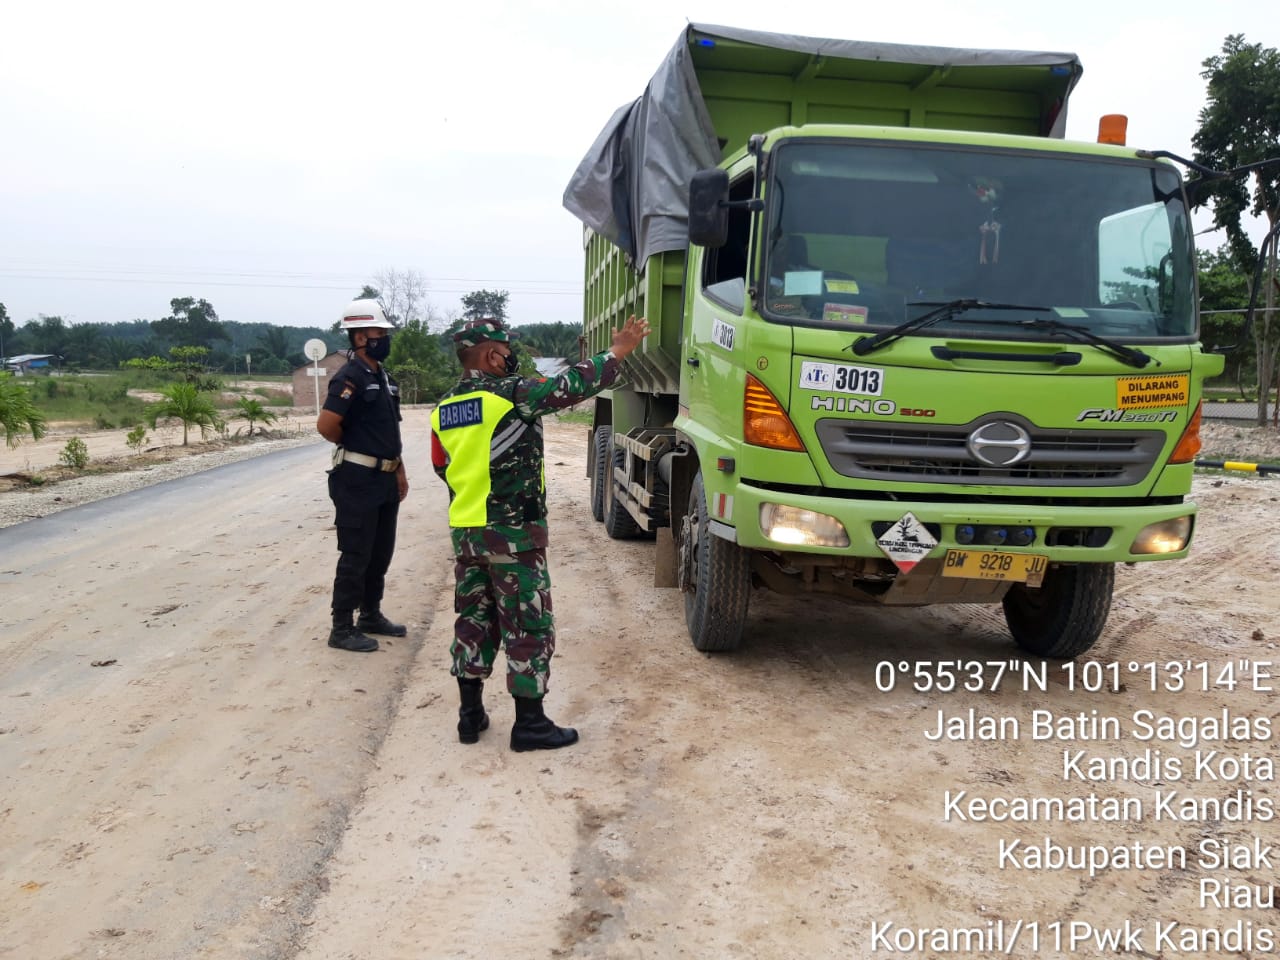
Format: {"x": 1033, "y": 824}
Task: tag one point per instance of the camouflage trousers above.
{"x": 504, "y": 599}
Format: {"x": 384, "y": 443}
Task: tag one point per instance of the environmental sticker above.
{"x": 1169, "y": 390}
{"x": 907, "y": 542}
{"x": 723, "y": 334}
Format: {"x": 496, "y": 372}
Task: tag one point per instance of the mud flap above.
{"x": 664, "y": 560}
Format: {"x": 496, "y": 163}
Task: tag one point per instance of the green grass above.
{"x": 275, "y": 398}
{"x": 100, "y": 400}
{"x": 269, "y": 398}
{"x": 575, "y": 416}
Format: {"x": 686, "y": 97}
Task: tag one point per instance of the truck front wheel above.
{"x": 1063, "y": 617}
{"x": 715, "y": 576}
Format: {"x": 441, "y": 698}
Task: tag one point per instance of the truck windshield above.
{"x": 867, "y": 236}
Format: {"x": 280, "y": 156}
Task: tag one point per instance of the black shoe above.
{"x": 472, "y": 720}
{"x": 376, "y": 623}
{"x": 350, "y": 638}
{"x": 533, "y": 729}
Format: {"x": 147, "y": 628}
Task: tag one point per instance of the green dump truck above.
{"x": 910, "y": 346}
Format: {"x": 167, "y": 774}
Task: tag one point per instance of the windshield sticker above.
{"x": 907, "y": 542}
{"x": 723, "y": 334}
{"x": 801, "y": 283}
{"x": 865, "y": 381}
{"x": 1171, "y": 390}
{"x": 1072, "y": 313}
{"x": 1127, "y": 416}
{"x": 843, "y": 313}
{"x": 842, "y": 286}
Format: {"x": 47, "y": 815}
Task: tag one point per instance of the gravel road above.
{"x": 27, "y": 503}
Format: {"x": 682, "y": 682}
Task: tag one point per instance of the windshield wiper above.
{"x": 1130, "y": 355}
{"x": 953, "y": 308}
{"x": 945, "y": 311}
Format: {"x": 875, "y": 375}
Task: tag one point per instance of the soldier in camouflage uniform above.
{"x": 486, "y": 444}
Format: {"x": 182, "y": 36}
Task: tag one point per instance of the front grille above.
{"x": 930, "y": 453}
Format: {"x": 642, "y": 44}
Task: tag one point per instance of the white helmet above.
{"x": 364, "y": 313}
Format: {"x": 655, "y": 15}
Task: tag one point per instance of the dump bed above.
{"x": 717, "y": 87}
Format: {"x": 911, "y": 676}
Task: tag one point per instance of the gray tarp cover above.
{"x": 633, "y": 185}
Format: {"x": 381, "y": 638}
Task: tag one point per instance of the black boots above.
{"x": 375, "y": 622}
{"x": 534, "y": 730}
{"x": 344, "y": 636}
{"x": 471, "y": 716}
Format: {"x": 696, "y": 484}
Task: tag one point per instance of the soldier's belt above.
{"x": 342, "y": 455}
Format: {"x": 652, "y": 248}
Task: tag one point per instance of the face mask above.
{"x": 378, "y": 349}
{"x": 511, "y": 363}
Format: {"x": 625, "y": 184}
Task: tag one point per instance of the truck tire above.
{"x": 619, "y": 524}
{"x": 716, "y": 580}
{"x": 1064, "y": 617}
{"x": 599, "y": 456}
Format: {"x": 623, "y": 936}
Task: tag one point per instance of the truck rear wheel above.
{"x": 599, "y": 456}
{"x": 617, "y": 522}
{"x": 1064, "y": 617}
{"x": 715, "y": 576}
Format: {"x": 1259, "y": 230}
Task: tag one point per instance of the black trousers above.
{"x": 366, "y": 504}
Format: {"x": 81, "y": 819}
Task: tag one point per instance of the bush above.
{"x": 136, "y": 437}
{"x": 103, "y": 422}
{"x": 75, "y": 454}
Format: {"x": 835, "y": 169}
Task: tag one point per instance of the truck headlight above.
{"x": 798, "y": 527}
{"x": 1167, "y": 536}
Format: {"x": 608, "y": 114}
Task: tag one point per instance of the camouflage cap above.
{"x": 475, "y": 332}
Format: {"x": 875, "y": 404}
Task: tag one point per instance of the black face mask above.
{"x": 378, "y": 349}
{"x": 511, "y": 363}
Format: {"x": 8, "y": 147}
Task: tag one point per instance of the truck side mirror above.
{"x": 708, "y": 208}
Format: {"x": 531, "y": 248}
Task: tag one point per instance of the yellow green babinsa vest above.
{"x": 472, "y": 431}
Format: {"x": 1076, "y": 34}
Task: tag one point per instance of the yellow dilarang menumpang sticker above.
{"x": 1168, "y": 390}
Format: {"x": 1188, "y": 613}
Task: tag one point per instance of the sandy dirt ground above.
{"x": 189, "y": 772}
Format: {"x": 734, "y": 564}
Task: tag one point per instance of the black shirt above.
{"x": 368, "y": 401}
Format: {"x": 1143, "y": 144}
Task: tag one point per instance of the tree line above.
{"x": 193, "y": 323}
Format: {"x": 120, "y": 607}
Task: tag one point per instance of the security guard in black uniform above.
{"x": 361, "y": 414}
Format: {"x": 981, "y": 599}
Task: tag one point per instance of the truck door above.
{"x": 711, "y": 376}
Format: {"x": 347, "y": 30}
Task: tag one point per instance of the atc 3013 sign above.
{"x": 723, "y": 334}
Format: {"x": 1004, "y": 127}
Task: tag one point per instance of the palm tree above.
{"x": 275, "y": 341}
{"x": 184, "y": 401}
{"x": 18, "y": 414}
{"x": 251, "y": 409}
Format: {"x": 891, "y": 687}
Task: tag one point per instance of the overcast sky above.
{"x": 273, "y": 157}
